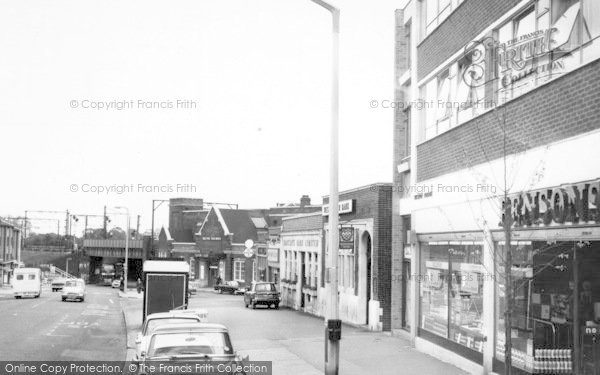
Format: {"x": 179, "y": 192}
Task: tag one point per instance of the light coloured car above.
{"x": 153, "y": 321}
{"x": 192, "y": 342}
{"x": 74, "y": 289}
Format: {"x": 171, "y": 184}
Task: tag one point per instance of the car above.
{"x": 192, "y": 342}
{"x": 115, "y": 283}
{"x": 231, "y": 287}
{"x": 262, "y": 293}
{"x": 58, "y": 284}
{"x": 156, "y": 320}
{"x": 74, "y": 289}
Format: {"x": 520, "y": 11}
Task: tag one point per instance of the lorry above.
{"x": 27, "y": 282}
{"x": 165, "y": 285}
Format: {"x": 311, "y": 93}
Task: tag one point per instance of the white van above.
{"x": 27, "y": 282}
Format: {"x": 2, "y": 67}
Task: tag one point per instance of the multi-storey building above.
{"x": 10, "y": 248}
{"x": 497, "y": 121}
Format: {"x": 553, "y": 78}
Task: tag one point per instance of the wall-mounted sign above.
{"x": 346, "y": 238}
{"x": 570, "y": 204}
{"x": 206, "y": 238}
{"x": 344, "y": 207}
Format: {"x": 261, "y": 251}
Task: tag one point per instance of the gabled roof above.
{"x": 240, "y": 224}
{"x": 259, "y": 222}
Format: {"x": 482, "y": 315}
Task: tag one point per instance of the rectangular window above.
{"x": 407, "y": 30}
{"x": 238, "y": 270}
{"x": 452, "y": 292}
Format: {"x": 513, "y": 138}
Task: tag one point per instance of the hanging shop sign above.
{"x": 344, "y": 207}
{"x": 346, "y": 238}
{"x": 570, "y": 204}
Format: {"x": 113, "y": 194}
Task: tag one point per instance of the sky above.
{"x": 117, "y": 103}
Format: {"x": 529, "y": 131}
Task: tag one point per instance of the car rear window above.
{"x": 265, "y": 288}
{"x": 190, "y": 343}
{"x": 31, "y": 276}
{"x": 152, "y": 324}
{"x": 19, "y": 277}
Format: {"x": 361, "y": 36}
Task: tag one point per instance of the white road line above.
{"x": 111, "y": 301}
{"x": 41, "y": 303}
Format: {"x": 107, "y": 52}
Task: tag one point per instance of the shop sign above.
{"x": 261, "y": 251}
{"x": 344, "y": 207}
{"x": 206, "y": 238}
{"x": 569, "y": 204}
{"x": 346, "y": 238}
{"x": 408, "y": 252}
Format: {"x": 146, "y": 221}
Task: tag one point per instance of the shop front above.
{"x": 462, "y": 292}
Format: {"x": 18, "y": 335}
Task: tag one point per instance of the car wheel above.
{"x": 82, "y": 299}
{"x": 64, "y": 299}
{"x": 254, "y": 305}
{"x": 17, "y": 297}
{"x": 276, "y": 306}
{"x": 37, "y": 295}
{"x": 220, "y": 291}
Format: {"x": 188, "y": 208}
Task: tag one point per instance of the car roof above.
{"x": 177, "y": 314}
{"x": 191, "y": 327}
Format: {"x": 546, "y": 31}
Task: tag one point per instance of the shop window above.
{"x": 452, "y": 293}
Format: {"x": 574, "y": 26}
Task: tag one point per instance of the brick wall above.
{"x": 563, "y": 108}
{"x": 400, "y": 141}
{"x": 375, "y": 202}
{"x": 456, "y": 31}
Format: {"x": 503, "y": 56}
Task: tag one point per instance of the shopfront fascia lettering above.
{"x": 344, "y": 207}
{"x": 564, "y": 205}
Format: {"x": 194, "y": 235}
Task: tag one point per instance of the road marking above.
{"x": 40, "y": 303}
{"x": 111, "y": 301}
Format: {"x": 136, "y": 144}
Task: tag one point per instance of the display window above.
{"x": 451, "y": 292}
{"x": 555, "y": 323}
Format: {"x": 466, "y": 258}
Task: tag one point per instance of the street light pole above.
{"x": 126, "y": 251}
{"x": 332, "y": 349}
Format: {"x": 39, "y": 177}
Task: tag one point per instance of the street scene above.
{"x": 307, "y": 187}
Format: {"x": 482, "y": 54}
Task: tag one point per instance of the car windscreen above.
{"x": 153, "y": 323}
{"x": 189, "y": 343}
{"x": 264, "y": 288}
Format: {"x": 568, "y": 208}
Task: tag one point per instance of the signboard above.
{"x": 248, "y": 252}
{"x": 344, "y": 207}
{"x": 569, "y": 204}
{"x": 346, "y": 238}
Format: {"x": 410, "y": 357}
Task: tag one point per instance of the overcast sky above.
{"x": 253, "y": 74}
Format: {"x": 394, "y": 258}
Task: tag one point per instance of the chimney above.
{"x": 305, "y": 201}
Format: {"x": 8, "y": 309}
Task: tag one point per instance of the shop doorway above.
{"x": 302, "y": 278}
{"x": 366, "y": 256}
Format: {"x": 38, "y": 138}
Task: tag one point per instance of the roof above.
{"x": 167, "y": 233}
{"x": 239, "y": 224}
{"x": 185, "y": 327}
{"x": 166, "y": 266}
{"x": 259, "y": 222}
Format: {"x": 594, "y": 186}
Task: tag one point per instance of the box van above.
{"x": 27, "y": 282}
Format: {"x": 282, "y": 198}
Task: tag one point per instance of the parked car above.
{"x": 192, "y": 342}
{"x": 115, "y": 283}
{"x": 156, "y": 320}
{"x": 58, "y": 284}
{"x": 231, "y": 287}
{"x": 262, "y": 293}
{"x": 74, "y": 289}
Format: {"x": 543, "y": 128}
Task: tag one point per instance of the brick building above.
{"x": 365, "y": 255}
{"x": 497, "y": 104}
{"x": 10, "y": 248}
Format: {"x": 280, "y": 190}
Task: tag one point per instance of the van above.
{"x": 27, "y": 282}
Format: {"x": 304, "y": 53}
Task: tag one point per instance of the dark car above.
{"x": 262, "y": 293}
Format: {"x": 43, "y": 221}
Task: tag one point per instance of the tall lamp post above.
{"x": 332, "y": 323}
{"x": 126, "y": 250}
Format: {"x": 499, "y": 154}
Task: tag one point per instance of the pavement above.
{"x": 294, "y": 341}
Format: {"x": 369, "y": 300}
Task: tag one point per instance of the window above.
{"x": 20, "y": 277}
{"x": 31, "y": 276}
{"x": 238, "y": 270}
{"x": 436, "y": 11}
{"x": 407, "y": 133}
{"x": 452, "y": 292}
{"x": 407, "y": 32}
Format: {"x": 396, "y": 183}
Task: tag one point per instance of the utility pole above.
{"x": 137, "y": 227}
{"x": 333, "y": 323}
{"x": 104, "y": 225}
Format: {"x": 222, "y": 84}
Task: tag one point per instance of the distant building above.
{"x": 10, "y": 248}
